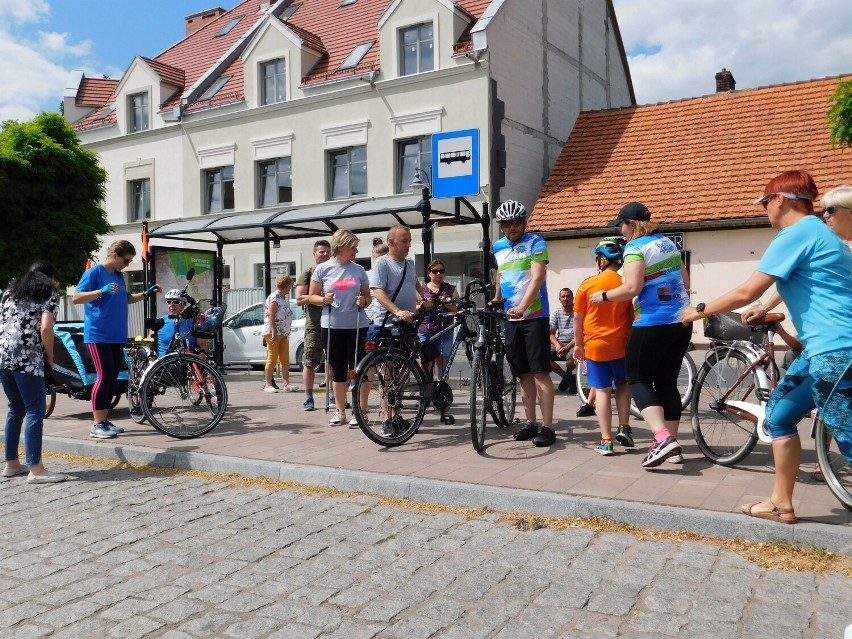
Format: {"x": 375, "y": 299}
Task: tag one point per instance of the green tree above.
{"x": 51, "y": 190}
{"x": 839, "y": 115}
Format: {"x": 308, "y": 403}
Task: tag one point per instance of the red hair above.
{"x": 798, "y": 183}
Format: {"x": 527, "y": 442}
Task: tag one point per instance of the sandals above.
{"x": 818, "y": 476}
{"x": 776, "y": 515}
{"x": 289, "y": 388}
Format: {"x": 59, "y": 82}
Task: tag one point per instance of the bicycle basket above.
{"x": 730, "y": 327}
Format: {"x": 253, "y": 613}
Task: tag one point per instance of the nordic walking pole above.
{"x": 328, "y": 378}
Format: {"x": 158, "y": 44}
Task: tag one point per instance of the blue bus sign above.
{"x": 455, "y": 163}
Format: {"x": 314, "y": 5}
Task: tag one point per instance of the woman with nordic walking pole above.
{"x": 342, "y": 285}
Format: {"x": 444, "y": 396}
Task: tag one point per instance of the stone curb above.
{"x": 508, "y": 500}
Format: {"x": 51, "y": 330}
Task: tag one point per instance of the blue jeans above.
{"x": 26, "y": 394}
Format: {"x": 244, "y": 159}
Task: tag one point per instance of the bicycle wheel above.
{"x": 183, "y": 396}
{"x": 835, "y": 467}
{"x": 505, "y": 385}
{"x": 723, "y": 437}
{"x": 583, "y": 389}
{"x": 686, "y": 380}
{"x": 138, "y": 364}
{"x": 389, "y": 397}
{"x": 50, "y": 401}
{"x": 478, "y": 409}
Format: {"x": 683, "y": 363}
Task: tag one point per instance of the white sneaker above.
{"x": 270, "y": 389}
{"x": 675, "y": 459}
{"x": 353, "y": 423}
{"x": 336, "y": 420}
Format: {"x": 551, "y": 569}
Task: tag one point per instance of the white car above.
{"x": 242, "y": 334}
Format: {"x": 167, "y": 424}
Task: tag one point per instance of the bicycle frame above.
{"x": 760, "y": 359}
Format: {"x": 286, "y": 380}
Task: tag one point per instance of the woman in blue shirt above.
{"x": 102, "y": 290}
{"x": 812, "y": 270}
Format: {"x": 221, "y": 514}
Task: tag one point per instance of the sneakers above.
{"x": 675, "y": 459}
{"x": 308, "y": 403}
{"x": 527, "y": 431}
{"x": 625, "y": 436}
{"x": 270, "y": 389}
{"x": 100, "y": 431}
{"x": 388, "y": 429}
{"x": 605, "y": 448}
{"x": 336, "y": 420}
{"x": 586, "y": 410}
{"x": 353, "y": 423}
{"x": 289, "y": 388}
{"x": 661, "y": 451}
{"x": 116, "y": 429}
{"x": 545, "y": 437}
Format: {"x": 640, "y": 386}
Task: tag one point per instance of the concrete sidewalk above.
{"x": 269, "y": 435}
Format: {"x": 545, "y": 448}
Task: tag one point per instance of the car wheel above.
{"x": 299, "y": 354}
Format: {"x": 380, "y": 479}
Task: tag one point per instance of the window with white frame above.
{"x": 275, "y": 269}
{"x": 138, "y": 108}
{"x": 140, "y": 200}
{"x": 275, "y": 183}
{"x": 415, "y": 153}
{"x": 416, "y": 49}
{"x": 273, "y": 78}
{"x": 347, "y": 172}
{"x": 219, "y": 189}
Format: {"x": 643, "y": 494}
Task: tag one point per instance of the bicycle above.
{"x": 685, "y": 383}
{"x": 180, "y": 394}
{"x": 490, "y": 376}
{"x": 730, "y": 396}
{"x": 398, "y": 389}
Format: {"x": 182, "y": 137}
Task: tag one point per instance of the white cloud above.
{"x": 32, "y": 69}
{"x": 56, "y": 44}
{"x": 761, "y": 41}
{"x": 23, "y": 11}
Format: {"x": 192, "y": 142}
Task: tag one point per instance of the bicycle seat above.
{"x": 769, "y": 318}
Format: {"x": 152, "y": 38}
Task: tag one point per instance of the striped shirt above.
{"x": 663, "y": 296}
{"x": 514, "y": 262}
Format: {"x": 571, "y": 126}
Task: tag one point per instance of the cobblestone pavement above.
{"x": 125, "y": 553}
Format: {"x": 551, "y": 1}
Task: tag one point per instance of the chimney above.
{"x": 725, "y": 81}
{"x": 198, "y": 20}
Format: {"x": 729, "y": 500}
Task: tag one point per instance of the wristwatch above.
{"x": 604, "y": 297}
{"x": 699, "y": 308}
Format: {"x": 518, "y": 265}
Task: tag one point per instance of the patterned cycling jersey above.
{"x": 513, "y": 263}
{"x": 663, "y": 296}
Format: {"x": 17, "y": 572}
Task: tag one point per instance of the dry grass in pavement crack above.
{"x": 779, "y": 555}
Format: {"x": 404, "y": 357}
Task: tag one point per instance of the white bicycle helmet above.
{"x": 511, "y": 210}
{"x": 175, "y": 294}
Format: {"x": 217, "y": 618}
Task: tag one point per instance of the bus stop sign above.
{"x": 455, "y": 163}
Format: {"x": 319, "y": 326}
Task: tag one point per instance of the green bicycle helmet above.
{"x": 610, "y": 248}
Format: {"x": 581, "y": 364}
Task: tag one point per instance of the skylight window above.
{"x": 108, "y": 112}
{"x": 289, "y": 11}
{"x": 347, "y": 3}
{"x": 357, "y": 55}
{"x": 214, "y": 88}
{"x": 227, "y": 28}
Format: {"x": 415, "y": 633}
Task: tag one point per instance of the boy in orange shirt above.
{"x": 600, "y": 334}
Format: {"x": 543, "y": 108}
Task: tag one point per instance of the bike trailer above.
{"x": 73, "y": 368}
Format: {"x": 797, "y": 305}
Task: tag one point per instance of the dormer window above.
{"x": 138, "y": 108}
{"x": 273, "y": 81}
{"x": 416, "y": 49}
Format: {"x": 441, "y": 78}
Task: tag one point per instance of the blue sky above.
{"x": 675, "y": 47}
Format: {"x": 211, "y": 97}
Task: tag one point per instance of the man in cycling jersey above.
{"x": 521, "y": 281}
{"x": 176, "y": 302}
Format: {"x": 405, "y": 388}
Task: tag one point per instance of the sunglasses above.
{"x": 764, "y": 201}
{"x": 831, "y": 210}
{"x": 175, "y": 302}
{"x": 438, "y": 271}
{"x": 126, "y": 260}
{"x": 507, "y": 223}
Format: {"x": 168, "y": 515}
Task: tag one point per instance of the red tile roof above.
{"x": 702, "y": 159}
{"x": 95, "y": 91}
{"x": 172, "y": 75}
{"x": 325, "y": 26}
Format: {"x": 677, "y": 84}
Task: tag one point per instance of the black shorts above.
{"x": 528, "y": 346}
